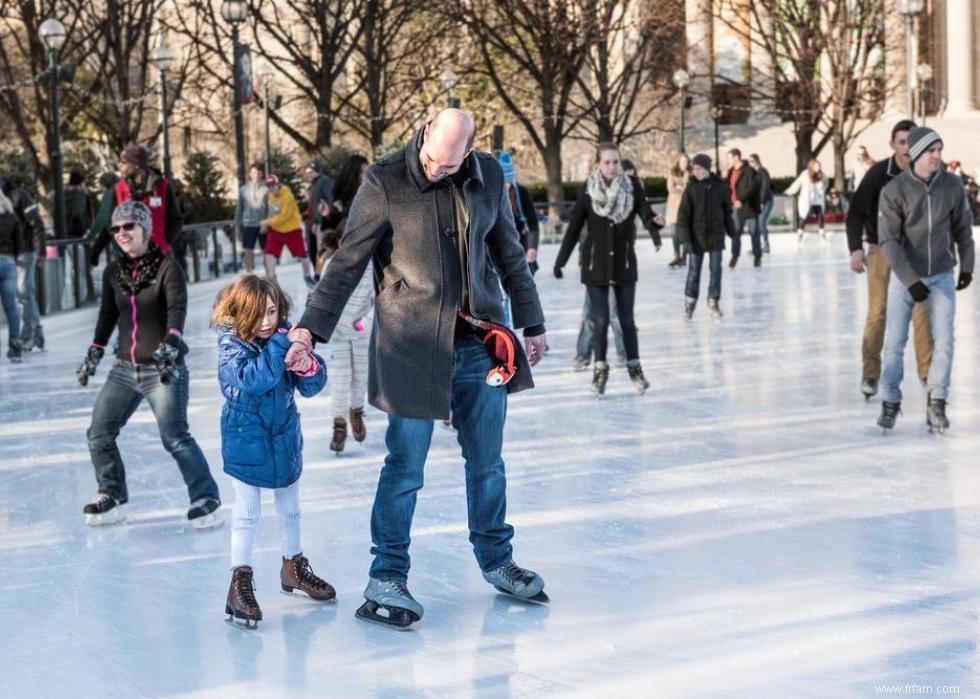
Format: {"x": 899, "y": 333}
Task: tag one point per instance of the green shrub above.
{"x": 205, "y": 184}
{"x": 16, "y": 167}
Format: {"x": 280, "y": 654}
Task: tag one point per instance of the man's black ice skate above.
{"x": 15, "y": 351}
{"x": 889, "y": 413}
{"x": 936, "y": 415}
{"x": 103, "y": 509}
{"x": 203, "y": 514}
{"x": 635, "y": 372}
{"x": 689, "y": 304}
{"x": 390, "y": 603}
{"x": 713, "y": 309}
{"x": 869, "y": 387}
{"x": 600, "y": 375}
{"x": 518, "y": 582}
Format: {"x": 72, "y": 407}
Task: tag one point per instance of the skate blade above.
{"x": 398, "y": 619}
{"x": 540, "y": 598}
{"x": 296, "y": 592}
{"x": 250, "y": 624}
{"x": 208, "y": 521}
{"x": 114, "y": 516}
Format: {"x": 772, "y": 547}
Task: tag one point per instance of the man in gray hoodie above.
{"x": 924, "y": 222}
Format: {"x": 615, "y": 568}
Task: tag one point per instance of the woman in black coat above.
{"x": 609, "y": 204}
{"x": 704, "y": 218}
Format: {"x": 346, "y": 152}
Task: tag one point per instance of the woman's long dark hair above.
{"x": 348, "y": 180}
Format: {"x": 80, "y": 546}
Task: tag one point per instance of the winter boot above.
{"x": 392, "y": 596}
{"x": 757, "y": 262}
{"x": 714, "y": 310}
{"x": 103, "y": 509}
{"x": 732, "y": 262}
{"x": 600, "y": 375}
{"x": 689, "y": 303}
{"x": 339, "y": 435}
{"x": 869, "y": 387}
{"x": 677, "y": 262}
{"x": 515, "y": 581}
{"x": 296, "y": 575}
{"x": 889, "y": 413}
{"x": 635, "y": 372}
{"x": 15, "y": 351}
{"x": 936, "y": 415}
{"x": 357, "y": 424}
{"x": 240, "y": 603}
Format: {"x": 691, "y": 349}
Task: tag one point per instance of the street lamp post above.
{"x": 910, "y": 9}
{"x": 449, "y": 79}
{"x": 716, "y": 113}
{"x": 924, "y": 74}
{"x": 681, "y": 80}
{"x": 265, "y": 75}
{"x": 234, "y": 12}
{"x": 53, "y": 35}
{"x": 162, "y": 57}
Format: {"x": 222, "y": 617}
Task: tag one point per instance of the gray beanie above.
{"x": 702, "y": 160}
{"x": 136, "y": 212}
{"x": 921, "y": 139}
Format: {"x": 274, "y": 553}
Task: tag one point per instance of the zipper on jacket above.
{"x": 929, "y": 238}
{"x": 132, "y": 338}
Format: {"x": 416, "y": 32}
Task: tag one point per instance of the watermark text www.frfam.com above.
{"x": 912, "y": 689}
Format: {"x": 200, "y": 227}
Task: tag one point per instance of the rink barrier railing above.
{"x": 66, "y": 279}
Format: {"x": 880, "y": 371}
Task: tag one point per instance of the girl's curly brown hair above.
{"x": 241, "y": 305}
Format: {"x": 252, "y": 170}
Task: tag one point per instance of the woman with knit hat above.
{"x": 609, "y": 203}
{"x": 144, "y": 293}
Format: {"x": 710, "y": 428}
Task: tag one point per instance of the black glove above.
{"x": 558, "y": 273}
{"x": 685, "y": 249}
{"x": 533, "y": 266}
{"x": 919, "y": 291}
{"x": 166, "y": 356}
{"x": 965, "y": 279}
{"x": 89, "y": 364}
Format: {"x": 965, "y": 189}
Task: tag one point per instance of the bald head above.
{"x": 447, "y": 141}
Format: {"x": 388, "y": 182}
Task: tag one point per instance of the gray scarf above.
{"x": 613, "y": 202}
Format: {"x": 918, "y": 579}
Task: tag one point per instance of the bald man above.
{"x": 436, "y": 222}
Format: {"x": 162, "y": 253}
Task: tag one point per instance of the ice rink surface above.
{"x": 743, "y": 530}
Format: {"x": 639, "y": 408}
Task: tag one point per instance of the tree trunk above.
{"x": 804, "y": 146}
{"x": 552, "y": 165}
{"x": 840, "y": 165}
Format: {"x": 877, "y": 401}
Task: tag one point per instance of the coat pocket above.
{"x": 247, "y": 445}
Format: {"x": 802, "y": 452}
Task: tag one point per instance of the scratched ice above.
{"x": 744, "y": 530}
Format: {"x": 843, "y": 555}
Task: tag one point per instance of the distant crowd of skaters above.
{"x": 908, "y": 227}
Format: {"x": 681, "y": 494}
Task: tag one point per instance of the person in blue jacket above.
{"x": 261, "y": 439}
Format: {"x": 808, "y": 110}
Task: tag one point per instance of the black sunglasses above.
{"x": 122, "y": 227}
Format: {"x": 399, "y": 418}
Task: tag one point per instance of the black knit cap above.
{"x": 702, "y": 160}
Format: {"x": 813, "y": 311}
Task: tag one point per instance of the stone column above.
{"x": 959, "y": 58}
{"x": 699, "y": 57}
{"x": 896, "y": 72}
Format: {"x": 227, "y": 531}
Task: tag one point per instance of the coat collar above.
{"x": 471, "y": 166}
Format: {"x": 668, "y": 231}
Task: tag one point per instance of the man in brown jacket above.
{"x": 437, "y": 224}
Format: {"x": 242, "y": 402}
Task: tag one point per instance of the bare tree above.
{"x": 393, "y": 65}
{"x": 626, "y": 76}
{"x": 532, "y": 54}
{"x": 819, "y": 73}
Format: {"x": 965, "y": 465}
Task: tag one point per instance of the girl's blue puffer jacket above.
{"x": 261, "y": 441}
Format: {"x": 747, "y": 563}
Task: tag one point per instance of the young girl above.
{"x": 261, "y": 441}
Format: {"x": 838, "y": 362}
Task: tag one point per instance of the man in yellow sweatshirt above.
{"x": 285, "y": 229}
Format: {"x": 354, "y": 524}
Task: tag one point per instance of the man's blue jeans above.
{"x": 740, "y": 225}
{"x": 8, "y": 294}
{"x": 478, "y": 413}
{"x": 30, "y": 315}
{"x": 123, "y": 391}
{"x": 941, "y": 304}
{"x": 695, "y": 261}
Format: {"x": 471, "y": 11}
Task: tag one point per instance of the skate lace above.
{"x": 246, "y": 589}
{"x": 891, "y": 409}
{"x": 100, "y": 499}
{"x": 305, "y": 573}
{"x": 399, "y": 588}
{"x": 512, "y": 573}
